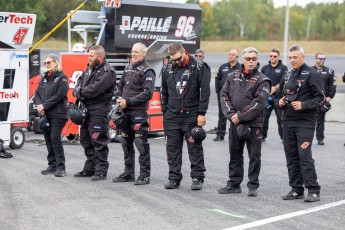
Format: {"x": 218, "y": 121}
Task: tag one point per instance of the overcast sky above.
{"x": 277, "y": 3}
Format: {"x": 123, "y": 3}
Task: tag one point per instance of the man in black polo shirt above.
{"x": 223, "y": 72}
{"x": 275, "y": 70}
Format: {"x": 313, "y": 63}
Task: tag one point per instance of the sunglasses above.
{"x": 322, "y": 59}
{"x": 250, "y": 58}
{"x": 199, "y": 55}
{"x": 273, "y": 56}
{"x": 177, "y": 59}
{"x": 47, "y": 62}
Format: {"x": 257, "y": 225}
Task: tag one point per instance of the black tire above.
{"x": 17, "y": 138}
{"x": 36, "y": 126}
{"x": 31, "y": 123}
{"x": 72, "y": 137}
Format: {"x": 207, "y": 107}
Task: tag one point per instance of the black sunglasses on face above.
{"x": 177, "y": 59}
{"x": 322, "y": 59}
{"x": 200, "y": 55}
{"x": 47, "y": 62}
{"x": 250, "y": 58}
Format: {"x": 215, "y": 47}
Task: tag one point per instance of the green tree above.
{"x": 208, "y": 21}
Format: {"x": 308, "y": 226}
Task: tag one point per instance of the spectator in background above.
{"x": 329, "y": 85}
{"x": 51, "y": 101}
{"x": 223, "y": 72}
{"x": 275, "y": 70}
{"x": 200, "y": 55}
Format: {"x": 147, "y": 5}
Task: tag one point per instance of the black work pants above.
{"x": 320, "y": 125}
{"x": 135, "y": 133}
{"x": 300, "y": 163}
{"x": 94, "y": 139}
{"x": 267, "y": 114}
{"x": 236, "y": 147}
{"x": 56, "y": 154}
{"x": 221, "y": 119}
{"x": 177, "y": 127}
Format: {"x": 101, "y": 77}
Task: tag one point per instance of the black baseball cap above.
{"x": 198, "y": 133}
{"x": 291, "y": 89}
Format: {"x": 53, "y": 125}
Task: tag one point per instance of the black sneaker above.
{"x": 312, "y": 197}
{"x": 228, "y": 189}
{"x": 60, "y": 173}
{"x": 293, "y": 196}
{"x": 320, "y": 143}
{"x": 172, "y": 184}
{"x": 252, "y": 192}
{"x": 197, "y": 184}
{"x": 49, "y": 170}
{"x": 124, "y": 177}
{"x": 142, "y": 180}
{"x": 219, "y": 138}
{"x": 83, "y": 174}
{"x": 98, "y": 177}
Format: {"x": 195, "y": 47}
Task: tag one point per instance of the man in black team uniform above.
{"x": 243, "y": 98}
{"x": 300, "y": 94}
{"x": 185, "y": 95}
{"x": 136, "y": 89}
{"x": 329, "y": 86}
{"x": 95, "y": 89}
{"x": 275, "y": 70}
{"x": 223, "y": 72}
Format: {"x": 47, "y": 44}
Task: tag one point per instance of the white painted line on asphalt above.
{"x": 286, "y": 216}
{"x": 157, "y": 138}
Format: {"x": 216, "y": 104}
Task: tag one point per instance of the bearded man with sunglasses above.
{"x": 243, "y": 98}
{"x": 185, "y": 95}
{"x": 275, "y": 70}
{"x": 329, "y": 86}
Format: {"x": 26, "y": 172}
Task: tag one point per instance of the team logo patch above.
{"x": 137, "y": 126}
{"x": 95, "y": 135}
{"x": 191, "y": 140}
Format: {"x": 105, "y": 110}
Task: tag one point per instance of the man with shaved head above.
{"x": 135, "y": 91}
{"x": 223, "y": 72}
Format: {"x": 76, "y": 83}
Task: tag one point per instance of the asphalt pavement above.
{"x": 29, "y": 200}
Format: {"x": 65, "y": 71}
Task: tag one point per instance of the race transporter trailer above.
{"x": 14, "y": 75}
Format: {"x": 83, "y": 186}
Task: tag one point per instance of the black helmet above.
{"x": 117, "y": 119}
{"x": 76, "y": 114}
{"x": 44, "y": 124}
{"x": 325, "y": 107}
{"x": 198, "y": 133}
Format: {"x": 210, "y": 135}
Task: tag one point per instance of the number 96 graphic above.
{"x": 184, "y": 26}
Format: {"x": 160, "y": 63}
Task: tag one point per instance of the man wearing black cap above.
{"x": 300, "y": 94}
{"x": 243, "y": 98}
{"x": 185, "y": 95}
{"x": 329, "y": 86}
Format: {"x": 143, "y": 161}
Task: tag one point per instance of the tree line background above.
{"x": 224, "y": 20}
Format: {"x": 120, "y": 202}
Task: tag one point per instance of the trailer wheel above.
{"x": 17, "y": 138}
{"x": 31, "y": 123}
{"x": 72, "y": 137}
{"x": 36, "y": 126}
